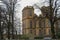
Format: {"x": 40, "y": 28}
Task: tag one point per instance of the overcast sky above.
{"x": 24, "y": 3}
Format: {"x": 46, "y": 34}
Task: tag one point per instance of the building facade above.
{"x": 33, "y": 24}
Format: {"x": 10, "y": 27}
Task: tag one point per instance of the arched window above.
{"x": 34, "y": 23}
{"x": 30, "y": 23}
{"x": 23, "y": 24}
{"x": 42, "y": 23}
{"x": 30, "y": 12}
{"x": 39, "y": 23}
{"x": 40, "y": 32}
{"x": 34, "y": 32}
{"x": 31, "y": 31}
{"x": 24, "y": 13}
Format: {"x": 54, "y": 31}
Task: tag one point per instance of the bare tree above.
{"x": 53, "y": 17}
{"x": 51, "y": 14}
{"x": 3, "y": 23}
{"x": 10, "y": 4}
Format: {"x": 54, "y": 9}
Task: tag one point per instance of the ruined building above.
{"x": 35, "y": 25}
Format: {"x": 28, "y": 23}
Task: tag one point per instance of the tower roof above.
{"x": 28, "y": 7}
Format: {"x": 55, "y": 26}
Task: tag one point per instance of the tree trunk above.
{"x": 52, "y": 30}
{"x": 1, "y": 30}
{"x": 51, "y": 20}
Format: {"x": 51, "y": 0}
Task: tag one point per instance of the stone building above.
{"x": 33, "y": 24}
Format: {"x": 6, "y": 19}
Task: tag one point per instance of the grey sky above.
{"x": 23, "y": 3}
